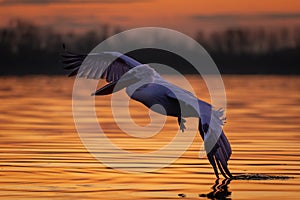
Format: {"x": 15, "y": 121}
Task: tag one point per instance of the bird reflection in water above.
{"x": 219, "y": 190}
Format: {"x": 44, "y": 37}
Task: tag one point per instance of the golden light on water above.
{"x": 42, "y": 156}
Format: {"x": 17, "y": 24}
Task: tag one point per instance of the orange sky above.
{"x": 187, "y": 16}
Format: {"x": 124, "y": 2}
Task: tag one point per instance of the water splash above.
{"x": 259, "y": 177}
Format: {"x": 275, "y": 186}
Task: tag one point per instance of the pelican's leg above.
{"x": 181, "y": 122}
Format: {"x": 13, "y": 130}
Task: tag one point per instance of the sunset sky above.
{"x": 187, "y": 16}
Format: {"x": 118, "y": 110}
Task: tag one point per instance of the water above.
{"x": 42, "y": 156}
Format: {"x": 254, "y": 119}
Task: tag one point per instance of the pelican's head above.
{"x": 134, "y": 78}
{"x": 142, "y": 72}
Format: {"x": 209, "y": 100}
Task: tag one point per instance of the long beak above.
{"x": 111, "y": 87}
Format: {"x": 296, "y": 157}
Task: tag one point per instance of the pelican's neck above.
{"x": 152, "y": 77}
{"x": 132, "y": 88}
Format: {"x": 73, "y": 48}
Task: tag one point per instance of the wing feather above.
{"x": 107, "y": 65}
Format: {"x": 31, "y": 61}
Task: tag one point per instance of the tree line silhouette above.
{"x": 26, "y": 48}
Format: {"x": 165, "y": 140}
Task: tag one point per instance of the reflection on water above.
{"x": 219, "y": 190}
{"x": 42, "y": 156}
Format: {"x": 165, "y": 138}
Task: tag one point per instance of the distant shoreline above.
{"x": 29, "y": 49}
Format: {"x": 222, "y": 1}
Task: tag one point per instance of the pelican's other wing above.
{"x": 201, "y": 107}
{"x": 216, "y": 144}
{"x": 205, "y": 111}
{"x": 107, "y": 65}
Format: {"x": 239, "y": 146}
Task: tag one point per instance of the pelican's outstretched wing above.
{"x": 211, "y": 121}
{"x": 107, "y": 65}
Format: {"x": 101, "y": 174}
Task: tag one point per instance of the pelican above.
{"x": 145, "y": 85}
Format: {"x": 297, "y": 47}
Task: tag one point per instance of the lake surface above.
{"x": 42, "y": 156}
